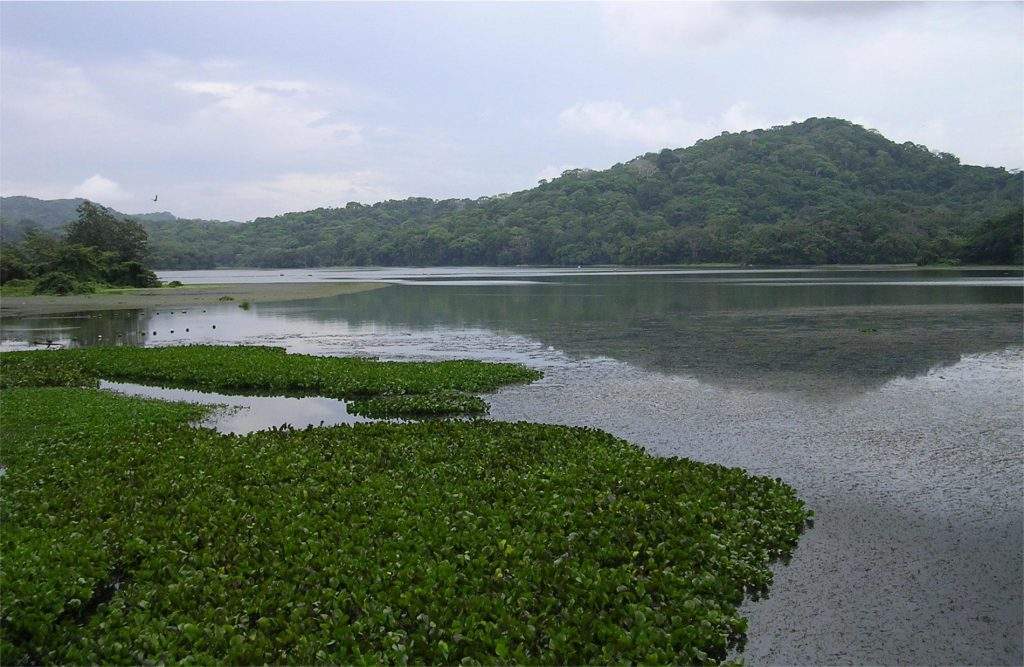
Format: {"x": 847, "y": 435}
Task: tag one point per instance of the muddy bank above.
{"x": 170, "y": 297}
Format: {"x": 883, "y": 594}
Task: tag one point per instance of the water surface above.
{"x": 890, "y": 399}
{"x": 240, "y": 414}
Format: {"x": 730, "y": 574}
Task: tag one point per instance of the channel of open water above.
{"x": 891, "y": 399}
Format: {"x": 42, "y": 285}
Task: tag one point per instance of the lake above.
{"x": 891, "y": 399}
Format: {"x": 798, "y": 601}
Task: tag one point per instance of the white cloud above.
{"x": 657, "y": 28}
{"x": 666, "y": 126}
{"x": 287, "y": 115}
{"x": 99, "y": 189}
{"x": 301, "y": 191}
{"x": 163, "y": 117}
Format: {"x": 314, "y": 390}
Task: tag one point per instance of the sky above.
{"x": 237, "y": 110}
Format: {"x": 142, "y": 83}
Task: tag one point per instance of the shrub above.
{"x": 132, "y": 274}
{"x": 58, "y": 282}
{"x": 12, "y": 267}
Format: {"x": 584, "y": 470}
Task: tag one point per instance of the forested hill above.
{"x": 19, "y": 215}
{"x": 821, "y": 191}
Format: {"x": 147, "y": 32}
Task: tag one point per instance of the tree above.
{"x": 97, "y": 228}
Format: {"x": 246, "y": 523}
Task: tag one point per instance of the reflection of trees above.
{"x": 111, "y": 327}
{"x": 806, "y": 338}
{"x": 735, "y": 334}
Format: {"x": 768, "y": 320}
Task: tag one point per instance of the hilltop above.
{"x": 820, "y": 191}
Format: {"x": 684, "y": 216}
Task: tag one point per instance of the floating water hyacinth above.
{"x": 132, "y": 536}
{"x": 437, "y": 385}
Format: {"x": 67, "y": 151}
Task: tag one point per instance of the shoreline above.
{"x": 186, "y": 295}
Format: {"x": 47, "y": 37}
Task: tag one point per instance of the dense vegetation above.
{"x": 824, "y": 191}
{"x": 384, "y": 388}
{"x": 98, "y": 249}
{"x": 20, "y": 216}
{"x": 131, "y": 537}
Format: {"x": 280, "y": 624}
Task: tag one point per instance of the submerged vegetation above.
{"x": 132, "y": 536}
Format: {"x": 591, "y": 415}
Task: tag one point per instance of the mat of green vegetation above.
{"x": 130, "y": 536}
{"x": 387, "y": 389}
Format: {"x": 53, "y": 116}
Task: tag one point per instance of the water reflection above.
{"x": 821, "y": 332}
{"x": 245, "y": 414}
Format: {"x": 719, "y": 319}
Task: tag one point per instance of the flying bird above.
{"x": 155, "y": 197}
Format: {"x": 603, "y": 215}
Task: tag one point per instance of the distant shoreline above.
{"x": 186, "y": 295}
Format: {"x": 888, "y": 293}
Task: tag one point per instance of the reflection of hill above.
{"x": 845, "y": 336}
{"x": 808, "y": 338}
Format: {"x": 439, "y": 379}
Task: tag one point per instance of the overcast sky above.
{"x": 241, "y": 110}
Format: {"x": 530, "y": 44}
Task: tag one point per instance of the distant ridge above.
{"x": 822, "y": 191}
{"x": 19, "y": 214}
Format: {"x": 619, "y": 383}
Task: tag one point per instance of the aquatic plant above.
{"x": 131, "y": 537}
{"x": 419, "y": 405}
{"x": 269, "y": 369}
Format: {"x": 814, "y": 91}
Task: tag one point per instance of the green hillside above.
{"x": 19, "y": 214}
{"x": 821, "y": 191}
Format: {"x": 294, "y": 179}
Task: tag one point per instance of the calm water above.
{"x": 244, "y": 414}
{"x": 890, "y": 399}
{"x": 819, "y": 331}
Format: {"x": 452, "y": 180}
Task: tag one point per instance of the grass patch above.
{"x": 130, "y": 536}
{"x": 395, "y": 388}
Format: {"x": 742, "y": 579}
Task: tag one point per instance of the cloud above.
{"x": 656, "y": 28}
{"x": 301, "y": 191}
{"x": 665, "y": 126}
{"x": 162, "y": 117}
{"x": 99, "y": 189}
{"x": 290, "y": 115}
{"x": 651, "y": 28}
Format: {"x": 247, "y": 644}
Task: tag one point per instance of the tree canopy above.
{"x": 823, "y": 191}
{"x": 96, "y": 227}
{"x": 98, "y": 248}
